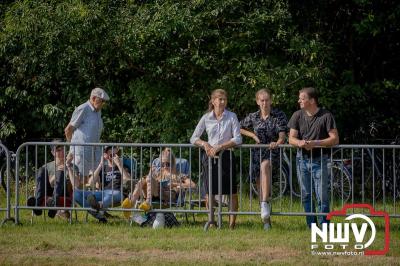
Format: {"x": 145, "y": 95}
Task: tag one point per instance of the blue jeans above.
{"x": 107, "y": 197}
{"x": 313, "y": 173}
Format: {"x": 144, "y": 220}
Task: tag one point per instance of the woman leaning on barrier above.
{"x": 223, "y": 132}
{"x": 266, "y": 126}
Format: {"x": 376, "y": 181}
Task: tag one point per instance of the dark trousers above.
{"x": 229, "y": 182}
{"x": 44, "y": 189}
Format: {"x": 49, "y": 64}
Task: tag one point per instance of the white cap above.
{"x": 99, "y": 92}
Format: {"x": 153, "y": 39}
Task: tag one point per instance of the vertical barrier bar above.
{"x": 395, "y": 193}
{"x": 331, "y": 179}
{"x": 240, "y": 179}
{"x": 251, "y": 178}
{"x": 210, "y": 198}
{"x": 190, "y": 179}
{"x": 384, "y": 179}
{"x": 280, "y": 178}
{"x": 200, "y": 179}
{"x": 313, "y": 209}
{"x": 219, "y": 158}
{"x": 352, "y": 177}
{"x": 373, "y": 177}
{"x": 259, "y": 189}
{"x": 362, "y": 175}
{"x": 7, "y": 173}
{"x": 16, "y": 184}
{"x": 291, "y": 178}
{"x": 46, "y": 177}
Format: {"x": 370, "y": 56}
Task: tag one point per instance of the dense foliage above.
{"x": 159, "y": 60}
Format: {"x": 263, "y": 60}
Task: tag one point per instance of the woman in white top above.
{"x": 223, "y": 132}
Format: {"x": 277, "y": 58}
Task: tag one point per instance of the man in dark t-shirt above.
{"x": 311, "y": 129}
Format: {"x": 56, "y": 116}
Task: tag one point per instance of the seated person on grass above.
{"x": 166, "y": 177}
{"x": 53, "y": 186}
{"x": 108, "y": 177}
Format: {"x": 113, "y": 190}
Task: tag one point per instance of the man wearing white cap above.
{"x": 86, "y": 126}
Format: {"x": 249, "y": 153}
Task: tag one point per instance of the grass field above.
{"x": 56, "y": 242}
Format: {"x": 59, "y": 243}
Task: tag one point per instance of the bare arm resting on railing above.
{"x": 330, "y": 141}
{"x": 281, "y": 140}
{"x": 227, "y": 126}
{"x": 250, "y": 134}
{"x": 272, "y": 145}
{"x": 212, "y": 151}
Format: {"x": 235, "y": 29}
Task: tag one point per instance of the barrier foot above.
{"x": 208, "y": 224}
{"x": 7, "y": 220}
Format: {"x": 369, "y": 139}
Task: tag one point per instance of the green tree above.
{"x": 159, "y": 61}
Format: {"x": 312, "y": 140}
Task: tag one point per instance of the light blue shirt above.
{"x": 218, "y": 131}
{"x": 88, "y": 126}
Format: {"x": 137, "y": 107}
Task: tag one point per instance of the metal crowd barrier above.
{"x": 33, "y": 155}
{"x": 5, "y": 183}
{"x": 357, "y": 174}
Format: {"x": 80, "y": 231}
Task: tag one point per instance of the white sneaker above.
{"x": 267, "y": 226}
{"x": 265, "y": 211}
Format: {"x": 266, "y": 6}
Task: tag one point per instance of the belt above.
{"x": 316, "y": 153}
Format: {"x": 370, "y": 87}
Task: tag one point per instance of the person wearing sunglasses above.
{"x": 53, "y": 183}
{"x": 107, "y": 180}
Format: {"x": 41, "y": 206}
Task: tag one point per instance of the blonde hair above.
{"x": 263, "y": 91}
{"x": 168, "y": 156}
{"x": 214, "y": 95}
